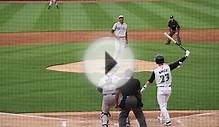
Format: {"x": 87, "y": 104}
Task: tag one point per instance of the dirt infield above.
{"x": 92, "y": 119}
{"x": 194, "y": 35}
{"x": 77, "y": 67}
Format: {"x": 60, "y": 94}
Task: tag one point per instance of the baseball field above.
{"x": 33, "y": 38}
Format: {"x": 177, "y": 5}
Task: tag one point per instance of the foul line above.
{"x": 38, "y": 117}
{"x": 194, "y": 115}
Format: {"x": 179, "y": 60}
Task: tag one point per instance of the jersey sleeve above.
{"x": 152, "y": 77}
{"x": 177, "y": 63}
{"x": 114, "y": 27}
{"x": 138, "y": 85}
{"x": 177, "y": 25}
{"x": 168, "y": 24}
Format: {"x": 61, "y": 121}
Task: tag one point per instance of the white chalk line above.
{"x": 177, "y": 119}
{"x": 65, "y": 120}
{"x": 37, "y": 117}
{"x": 180, "y": 122}
{"x": 194, "y": 115}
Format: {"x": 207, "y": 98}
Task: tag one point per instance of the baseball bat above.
{"x": 174, "y": 41}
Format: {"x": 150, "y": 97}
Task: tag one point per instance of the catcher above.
{"x": 174, "y": 28}
{"x": 107, "y": 87}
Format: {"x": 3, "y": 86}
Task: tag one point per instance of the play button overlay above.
{"x": 105, "y": 62}
{"x": 110, "y": 63}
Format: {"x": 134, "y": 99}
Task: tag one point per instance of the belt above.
{"x": 121, "y": 37}
{"x": 165, "y": 86}
{"x": 131, "y": 96}
{"x": 109, "y": 94}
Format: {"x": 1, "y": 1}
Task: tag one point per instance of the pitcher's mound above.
{"x": 77, "y": 67}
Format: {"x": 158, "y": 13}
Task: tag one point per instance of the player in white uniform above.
{"x": 119, "y": 31}
{"x": 107, "y": 86}
{"x": 163, "y": 78}
{"x": 53, "y": 2}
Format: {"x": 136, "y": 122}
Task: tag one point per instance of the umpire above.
{"x": 131, "y": 100}
{"x": 174, "y": 28}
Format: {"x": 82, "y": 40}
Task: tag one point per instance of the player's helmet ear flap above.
{"x": 159, "y": 59}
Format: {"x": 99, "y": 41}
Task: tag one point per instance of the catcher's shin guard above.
{"x": 105, "y": 119}
{"x": 128, "y": 122}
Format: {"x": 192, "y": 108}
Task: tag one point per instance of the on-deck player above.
{"x": 119, "y": 31}
{"x": 51, "y": 2}
{"x": 163, "y": 78}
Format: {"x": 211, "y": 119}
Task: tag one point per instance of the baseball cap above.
{"x": 121, "y": 16}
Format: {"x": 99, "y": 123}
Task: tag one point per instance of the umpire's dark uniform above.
{"x": 174, "y": 28}
{"x": 131, "y": 100}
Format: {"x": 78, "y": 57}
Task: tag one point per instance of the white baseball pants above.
{"x": 120, "y": 45}
{"x": 163, "y": 94}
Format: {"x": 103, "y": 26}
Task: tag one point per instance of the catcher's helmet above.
{"x": 159, "y": 59}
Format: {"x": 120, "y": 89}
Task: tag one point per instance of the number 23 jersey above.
{"x": 163, "y": 77}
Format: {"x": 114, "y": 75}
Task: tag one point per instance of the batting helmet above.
{"x": 171, "y": 17}
{"x": 159, "y": 59}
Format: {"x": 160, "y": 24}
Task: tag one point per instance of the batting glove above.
{"x": 187, "y": 53}
{"x": 144, "y": 87}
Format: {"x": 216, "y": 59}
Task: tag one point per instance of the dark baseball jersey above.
{"x": 173, "y": 24}
{"x": 131, "y": 88}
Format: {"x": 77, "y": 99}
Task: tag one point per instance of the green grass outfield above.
{"x": 87, "y": 16}
{"x": 26, "y": 86}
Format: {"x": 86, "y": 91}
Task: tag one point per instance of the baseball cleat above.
{"x": 168, "y": 123}
{"x": 105, "y": 125}
{"x": 128, "y": 125}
